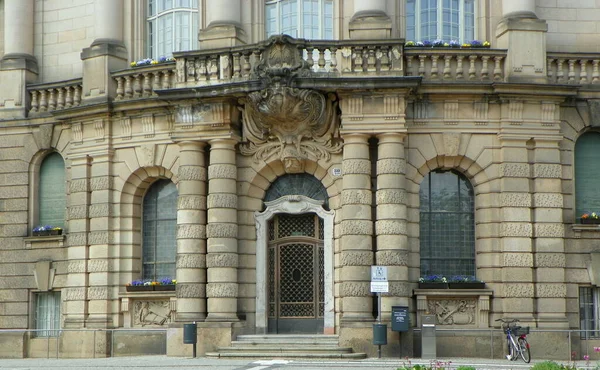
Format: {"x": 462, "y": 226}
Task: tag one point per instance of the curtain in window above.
{"x": 587, "y": 174}
{"x": 440, "y": 19}
{"x": 447, "y": 224}
{"x": 310, "y": 19}
{"x": 172, "y": 25}
{"x": 159, "y": 222}
{"x": 47, "y": 314}
{"x": 52, "y": 196}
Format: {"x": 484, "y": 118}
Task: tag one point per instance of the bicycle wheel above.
{"x": 524, "y": 346}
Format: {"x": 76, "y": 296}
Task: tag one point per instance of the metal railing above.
{"x": 53, "y": 349}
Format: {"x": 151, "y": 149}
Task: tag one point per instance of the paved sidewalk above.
{"x": 163, "y": 362}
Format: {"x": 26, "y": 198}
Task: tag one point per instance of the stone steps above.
{"x": 286, "y": 346}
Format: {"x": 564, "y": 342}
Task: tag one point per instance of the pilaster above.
{"x": 191, "y": 233}
{"x": 222, "y": 232}
{"x": 224, "y": 25}
{"x": 356, "y": 230}
{"x": 390, "y": 226}
{"x": 370, "y": 20}
{"x": 75, "y": 297}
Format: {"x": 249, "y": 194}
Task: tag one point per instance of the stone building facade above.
{"x": 268, "y": 174}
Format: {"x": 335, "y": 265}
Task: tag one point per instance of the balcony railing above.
{"x": 55, "y": 96}
{"x": 573, "y": 68}
{"x": 460, "y": 65}
{"x": 142, "y": 82}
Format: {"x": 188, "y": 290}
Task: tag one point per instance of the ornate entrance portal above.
{"x": 294, "y": 267}
{"x": 296, "y": 279}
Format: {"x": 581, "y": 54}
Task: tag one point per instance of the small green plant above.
{"x": 551, "y": 365}
{"x": 465, "y": 368}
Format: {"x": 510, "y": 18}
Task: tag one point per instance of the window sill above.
{"x": 33, "y": 242}
{"x": 585, "y": 227}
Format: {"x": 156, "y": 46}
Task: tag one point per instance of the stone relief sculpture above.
{"x": 293, "y": 124}
{"x": 151, "y": 313}
{"x": 453, "y": 311}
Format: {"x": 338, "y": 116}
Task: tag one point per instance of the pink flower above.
{"x": 596, "y": 349}
{"x": 586, "y": 357}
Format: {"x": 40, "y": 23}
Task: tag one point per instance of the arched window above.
{"x": 447, "y": 226}
{"x": 587, "y": 174}
{"x": 309, "y": 19}
{"x": 159, "y": 227}
{"x": 52, "y": 195}
{"x": 172, "y": 25}
{"x": 440, "y": 19}
{"x": 297, "y": 184}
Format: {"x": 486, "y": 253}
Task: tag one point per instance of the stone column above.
{"x": 516, "y": 229}
{"x": 390, "y": 227}
{"x": 222, "y": 232}
{"x": 106, "y": 54}
{"x": 75, "y": 295}
{"x": 370, "y": 20}
{"x": 356, "y": 230}
{"x": 549, "y": 233}
{"x": 100, "y": 240}
{"x": 191, "y": 233}
{"x": 18, "y": 66}
{"x": 524, "y": 35}
{"x": 224, "y": 25}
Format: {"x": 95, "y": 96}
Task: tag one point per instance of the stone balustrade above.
{"x": 447, "y": 64}
{"x": 54, "y": 96}
{"x": 142, "y": 82}
{"x": 573, "y": 68}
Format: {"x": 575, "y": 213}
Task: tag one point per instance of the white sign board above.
{"x": 380, "y": 287}
{"x": 379, "y": 273}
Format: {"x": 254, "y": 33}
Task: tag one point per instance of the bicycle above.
{"x": 516, "y": 340}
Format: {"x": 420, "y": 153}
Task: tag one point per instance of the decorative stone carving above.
{"x": 44, "y": 136}
{"x": 77, "y": 131}
{"x": 356, "y": 258}
{"x": 100, "y": 183}
{"x": 518, "y": 290}
{"x": 191, "y": 290}
{"x": 148, "y": 125}
{"x": 550, "y": 260}
{"x": 191, "y": 261}
{"x": 515, "y": 112}
{"x": 78, "y": 185}
{"x": 99, "y": 210}
{"x": 221, "y": 260}
{"x": 356, "y": 166}
{"x": 356, "y": 196}
{"x": 77, "y": 212}
{"x": 74, "y": 239}
{"x": 355, "y": 289}
{"x": 514, "y": 170}
{"x": 453, "y": 311}
{"x": 97, "y": 293}
{"x": 549, "y": 171}
{"x": 97, "y": 265}
{"x": 391, "y": 196}
{"x": 516, "y": 200}
{"x": 518, "y": 260}
{"x": 145, "y": 154}
{"x": 290, "y": 123}
{"x": 524, "y": 230}
{"x": 392, "y": 257}
{"x": 126, "y": 128}
{"x": 191, "y": 202}
{"x": 222, "y": 171}
{"x": 100, "y": 127}
{"x": 356, "y": 227}
{"x": 391, "y": 166}
{"x": 390, "y": 227}
{"x": 152, "y": 313}
{"x": 222, "y": 290}
{"x": 548, "y": 109}
{"x": 547, "y": 200}
{"x": 551, "y": 290}
{"x": 481, "y": 113}
{"x": 192, "y": 173}
{"x": 222, "y": 201}
{"x": 75, "y": 294}
{"x": 191, "y": 231}
{"x": 451, "y": 112}
{"x": 220, "y": 230}
{"x": 549, "y": 230}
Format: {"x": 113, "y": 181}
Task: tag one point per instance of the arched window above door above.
{"x": 298, "y": 184}
{"x": 447, "y": 224}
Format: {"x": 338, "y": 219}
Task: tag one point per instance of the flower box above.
{"x": 590, "y": 221}
{"x": 467, "y": 285}
{"x": 433, "y": 285}
{"x": 164, "y": 288}
{"x": 139, "y": 288}
{"x": 41, "y": 233}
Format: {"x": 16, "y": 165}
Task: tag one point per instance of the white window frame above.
{"x": 300, "y": 18}
{"x": 594, "y": 302}
{"x": 50, "y": 325}
{"x": 440, "y": 23}
{"x": 152, "y": 33}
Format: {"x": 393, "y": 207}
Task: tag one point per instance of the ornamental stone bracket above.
{"x": 153, "y": 309}
{"x": 374, "y": 113}
{"x": 211, "y": 118}
{"x": 468, "y": 308}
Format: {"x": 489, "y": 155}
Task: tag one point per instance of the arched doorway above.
{"x": 294, "y": 259}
